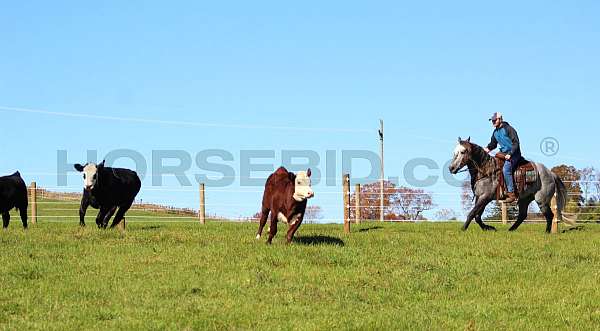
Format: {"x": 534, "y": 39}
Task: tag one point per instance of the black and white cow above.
{"x": 107, "y": 189}
{"x": 13, "y": 194}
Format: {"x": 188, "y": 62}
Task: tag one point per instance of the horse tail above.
{"x": 561, "y": 201}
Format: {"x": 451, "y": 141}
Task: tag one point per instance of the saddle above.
{"x": 524, "y": 176}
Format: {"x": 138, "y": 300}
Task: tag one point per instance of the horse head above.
{"x": 461, "y": 155}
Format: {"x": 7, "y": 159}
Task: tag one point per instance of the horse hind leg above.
{"x": 548, "y": 215}
{"x": 523, "y": 208}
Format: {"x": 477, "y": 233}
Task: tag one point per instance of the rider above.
{"x": 507, "y": 137}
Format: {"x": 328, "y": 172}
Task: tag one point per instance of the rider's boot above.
{"x": 512, "y": 197}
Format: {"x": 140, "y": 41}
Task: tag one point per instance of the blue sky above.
{"x": 432, "y": 70}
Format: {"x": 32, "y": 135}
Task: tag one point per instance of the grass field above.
{"x": 58, "y": 276}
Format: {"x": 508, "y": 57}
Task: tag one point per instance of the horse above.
{"x": 484, "y": 182}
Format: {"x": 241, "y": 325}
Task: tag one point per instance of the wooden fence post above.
{"x": 554, "y": 206}
{"x": 504, "y": 213}
{"x": 33, "y": 202}
{"x": 346, "y": 192}
{"x": 357, "y": 205}
{"x": 202, "y": 209}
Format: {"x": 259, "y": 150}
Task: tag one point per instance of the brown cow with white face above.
{"x": 285, "y": 198}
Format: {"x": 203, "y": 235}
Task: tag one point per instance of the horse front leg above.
{"x": 476, "y": 213}
{"x": 482, "y": 225}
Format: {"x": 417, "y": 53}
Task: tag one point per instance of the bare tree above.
{"x": 587, "y": 176}
{"x": 411, "y": 203}
{"x": 466, "y": 196}
{"x": 446, "y": 215}
{"x": 369, "y": 201}
{"x": 400, "y": 203}
{"x": 571, "y": 177}
{"x": 313, "y": 214}
{"x": 597, "y": 185}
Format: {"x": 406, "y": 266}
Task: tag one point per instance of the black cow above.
{"x": 13, "y": 194}
{"x": 107, "y": 189}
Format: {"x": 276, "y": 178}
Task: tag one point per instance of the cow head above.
{"x": 302, "y": 186}
{"x": 90, "y": 174}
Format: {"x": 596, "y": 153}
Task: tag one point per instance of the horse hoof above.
{"x": 490, "y": 228}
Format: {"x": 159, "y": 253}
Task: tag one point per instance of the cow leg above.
{"x": 23, "y": 213}
{"x": 294, "y": 225}
{"x": 85, "y": 203}
{"x": 5, "y": 219}
{"x": 272, "y": 228}
{"x": 523, "y": 207}
{"x": 264, "y": 215}
{"x": 121, "y": 214}
{"x": 108, "y": 215}
{"x": 100, "y": 217}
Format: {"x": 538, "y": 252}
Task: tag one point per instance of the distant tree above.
{"x": 370, "y": 200}
{"x": 446, "y": 215}
{"x": 313, "y": 214}
{"x": 494, "y": 211}
{"x": 591, "y": 211}
{"x": 394, "y": 217}
{"x": 571, "y": 177}
{"x": 587, "y": 177}
{"x": 411, "y": 203}
{"x": 597, "y": 185}
{"x": 466, "y": 196}
{"x": 399, "y": 203}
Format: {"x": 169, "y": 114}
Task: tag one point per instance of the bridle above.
{"x": 480, "y": 170}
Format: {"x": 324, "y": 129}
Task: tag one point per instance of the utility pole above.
{"x": 381, "y": 211}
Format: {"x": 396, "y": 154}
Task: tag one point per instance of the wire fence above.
{"x": 57, "y": 206}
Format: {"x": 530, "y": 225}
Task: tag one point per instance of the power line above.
{"x": 177, "y": 123}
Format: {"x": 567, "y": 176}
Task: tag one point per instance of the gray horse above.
{"x": 484, "y": 181}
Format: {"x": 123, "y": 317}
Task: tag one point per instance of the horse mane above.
{"x": 480, "y": 164}
{"x": 478, "y": 154}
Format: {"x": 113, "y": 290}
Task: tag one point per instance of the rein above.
{"x": 480, "y": 169}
